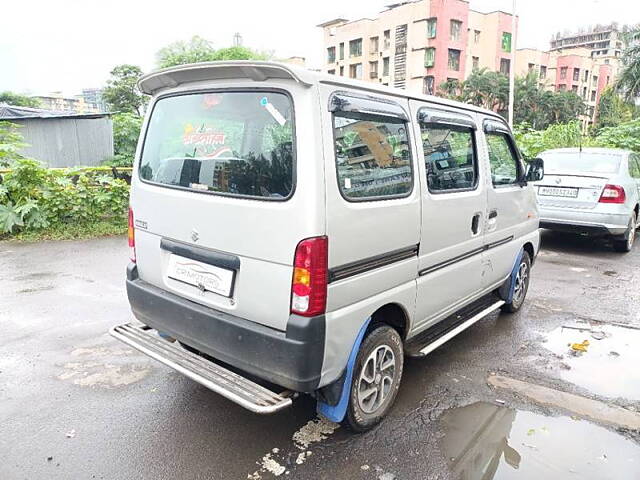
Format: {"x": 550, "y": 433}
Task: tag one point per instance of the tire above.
{"x": 625, "y": 244}
{"x": 381, "y": 348}
{"x": 522, "y": 285}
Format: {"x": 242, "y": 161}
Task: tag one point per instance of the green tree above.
{"x": 628, "y": 82}
{"x": 121, "y": 93}
{"x": 611, "y": 111}
{"x": 199, "y": 50}
{"x": 11, "y": 142}
{"x": 486, "y": 89}
{"x": 18, "y": 100}
{"x": 450, "y": 89}
{"x": 531, "y": 142}
{"x": 126, "y": 130}
{"x": 626, "y": 136}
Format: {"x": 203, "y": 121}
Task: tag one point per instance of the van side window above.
{"x": 449, "y": 157}
{"x": 503, "y": 160}
{"x": 373, "y": 158}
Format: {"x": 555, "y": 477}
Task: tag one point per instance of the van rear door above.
{"x": 219, "y": 201}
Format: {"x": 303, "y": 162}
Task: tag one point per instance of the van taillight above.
{"x": 613, "y": 194}
{"x": 132, "y": 237}
{"x": 309, "y": 284}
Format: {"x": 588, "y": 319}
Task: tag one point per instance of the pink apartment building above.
{"x": 419, "y": 44}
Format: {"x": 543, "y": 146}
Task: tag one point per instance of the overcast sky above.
{"x": 65, "y": 45}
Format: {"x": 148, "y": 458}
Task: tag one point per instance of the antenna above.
{"x": 237, "y": 39}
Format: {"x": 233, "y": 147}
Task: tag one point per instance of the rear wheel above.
{"x": 521, "y": 285}
{"x": 376, "y": 378}
{"x": 625, "y": 244}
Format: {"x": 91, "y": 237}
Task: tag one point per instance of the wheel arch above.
{"x": 393, "y": 314}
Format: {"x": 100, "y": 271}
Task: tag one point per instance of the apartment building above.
{"x": 56, "y": 101}
{"x": 584, "y": 62}
{"x": 418, "y": 44}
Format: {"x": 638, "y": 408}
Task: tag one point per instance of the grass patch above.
{"x": 72, "y": 231}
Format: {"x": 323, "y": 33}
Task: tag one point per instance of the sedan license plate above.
{"x": 558, "y": 191}
{"x": 202, "y": 275}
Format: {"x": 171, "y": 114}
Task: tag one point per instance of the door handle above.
{"x": 493, "y": 214}
{"x": 475, "y": 224}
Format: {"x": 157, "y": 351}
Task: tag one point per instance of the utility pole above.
{"x": 512, "y": 66}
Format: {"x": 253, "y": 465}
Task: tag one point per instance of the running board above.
{"x": 448, "y": 328}
{"x": 230, "y": 385}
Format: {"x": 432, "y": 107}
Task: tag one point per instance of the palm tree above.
{"x": 628, "y": 83}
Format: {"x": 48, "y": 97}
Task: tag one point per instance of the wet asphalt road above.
{"x": 75, "y": 403}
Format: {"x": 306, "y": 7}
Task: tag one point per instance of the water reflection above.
{"x": 483, "y": 441}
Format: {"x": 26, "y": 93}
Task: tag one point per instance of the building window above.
{"x": 385, "y": 67}
{"x": 506, "y": 42}
{"x": 331, "y": 55}
{"x": 586, "y": 75}
{"x": 543, "y": 72}
{"x": 574, "y": 89}
{"x": 373, "y": 156}
{"x": 373, "y": 44}
{"x": 373, "y": 69}
{"x": 428, "y": 85}
{"x": 576, "y": 74}
{"x": 594, "y": 79}
{"x": 342, "y": 71}
{"x": 387, "y": 39}
{"x": 475, "y": 63}
{"x": 429, "y": 57}
{"x": 431, "y": 27}
{"x": 332, "y": 71}
{"x": 562, "y": 88}
{"x": 342, "y": 51}
{"x": 355, "y": 70}
{"x": 531, "y": 67}
{"x": 563, "y": 73}
{"x": 584, "y": 93}
{"x": 454, "y": 60}
{"x": 355, "y": 47}
{"x": 593, "y": 95}
{"x": 505, "y": 66}
{"x": 455, "y": 28}
{"x": 476, "y": 36}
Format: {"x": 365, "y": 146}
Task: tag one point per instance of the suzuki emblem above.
{"x": 558, "y": 181}
{"x": 195, "y": 235}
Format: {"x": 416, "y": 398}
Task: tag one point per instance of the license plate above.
{"x": 208, "y": 278}
{"x": 558, "y": 192}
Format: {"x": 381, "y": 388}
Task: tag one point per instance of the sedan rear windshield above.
{"x": 577, "y": 163}
{"x": 231, "y": 143}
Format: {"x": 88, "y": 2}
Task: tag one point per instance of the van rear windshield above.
{"x": 233, "y": 143}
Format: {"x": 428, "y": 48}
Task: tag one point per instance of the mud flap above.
{"x": 505, "y": 292}
{"x": 336, "y": 412}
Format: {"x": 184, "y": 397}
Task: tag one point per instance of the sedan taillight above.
{"x": 613, "y": 194}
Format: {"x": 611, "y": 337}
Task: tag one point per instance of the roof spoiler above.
{"x": 196, "y": 72}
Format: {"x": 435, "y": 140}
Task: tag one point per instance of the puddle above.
{"x": 484, "y": 441}
{"x": 609, "y": 364}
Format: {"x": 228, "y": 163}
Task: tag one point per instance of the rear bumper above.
{"x": 292, "y": 359}
{"x": 581, "y": 221}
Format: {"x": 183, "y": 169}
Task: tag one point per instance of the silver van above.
{"x": 292, "y": 231}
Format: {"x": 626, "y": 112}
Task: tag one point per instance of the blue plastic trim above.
{"x": 337, "y": 412}
{"x": 508, "y": 295}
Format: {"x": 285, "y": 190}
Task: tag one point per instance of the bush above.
{"x": 532, "y": 142}
{"x": 33, "y": 197}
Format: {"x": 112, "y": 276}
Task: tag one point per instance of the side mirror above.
{"x": 535, "y": 170}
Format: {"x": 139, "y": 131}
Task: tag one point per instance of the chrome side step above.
{"x": 230, "y": 385}
{"x": 458, "y": 327}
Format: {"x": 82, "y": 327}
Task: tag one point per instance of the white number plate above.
{"x": 202, "y": 275}
{"x": 558, "y": 191}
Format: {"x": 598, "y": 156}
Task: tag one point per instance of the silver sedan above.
{"x": 594, "y": 191}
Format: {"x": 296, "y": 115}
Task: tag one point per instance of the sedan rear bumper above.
{"x": 583, "y": 221}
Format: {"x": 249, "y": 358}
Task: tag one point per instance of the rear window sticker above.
{"x": 277, "y": 116}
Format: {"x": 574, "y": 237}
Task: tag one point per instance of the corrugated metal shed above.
{"x": 60, "y": 139}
